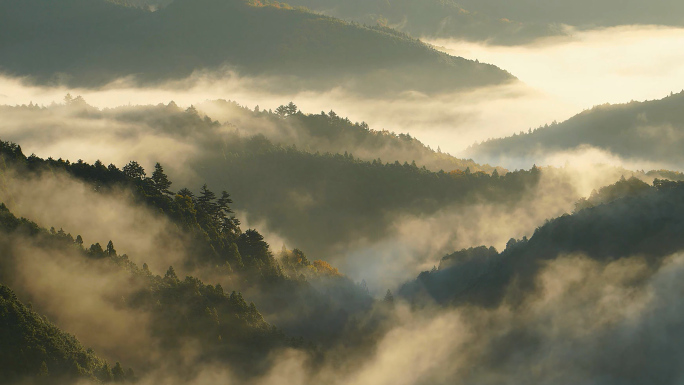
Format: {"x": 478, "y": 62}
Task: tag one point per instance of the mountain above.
{"x": 650, "y": 131}
{"x": 94, "y": 42}
{"x": 298, "y": 293}
{"x": 435, "y": 19}
{"x": 331, "y": 133}
{"x": 33, "y": 348}
{"x": 282, "y": 167}
{"x": 629, "y": 218}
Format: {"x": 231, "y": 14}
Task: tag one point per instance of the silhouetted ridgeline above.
{"x": 93, "y": 42}
{"x": 624, "y": 220}
{"x": 651, "y": 131}
{"x": 434, "y": 19}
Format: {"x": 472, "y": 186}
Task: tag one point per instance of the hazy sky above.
{"x": 611, "y": 65}
{"x": 563, "y": 76}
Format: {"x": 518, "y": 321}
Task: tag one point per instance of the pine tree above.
{"x": 118, "y": 374}
{"x": 43, "y": 371}
{"x": 171, "y": 274}
{"x": 134, "y": 170}
{"x": 389, "y": 298}
{"x": 161, "y": 181}
{"x": 110, "y": 249}
{"x": 79, "y": 241}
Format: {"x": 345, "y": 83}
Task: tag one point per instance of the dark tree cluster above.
{"x": 33, "y": 348}
{"x": 642, "y": 221}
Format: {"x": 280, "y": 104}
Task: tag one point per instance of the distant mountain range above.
{"x": 650, "y": 131}
{"x": 93, "y": 42}
{"x": 493, "y": 21}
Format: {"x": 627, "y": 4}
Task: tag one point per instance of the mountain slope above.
{"x": 34, "y": 348}
{"x": 651, "y": 131}
{"x": 646, "y": 221}
{"x": 329, "y": 132}
{"x": 433, "y": 19}
{"x": 278, "y": 183}
{"x": 95, "y": 42}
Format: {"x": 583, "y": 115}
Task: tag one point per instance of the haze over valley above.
{"x": 341, "y": 192}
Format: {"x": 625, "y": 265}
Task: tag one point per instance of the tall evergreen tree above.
{"x": 161, "y": 181}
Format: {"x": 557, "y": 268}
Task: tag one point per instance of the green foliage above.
{"x": 356, "y": 199}
{"x": 329, "y": 132}
{"x": 628, "y": 220}
{"x": 31, "y": 346}
{"x": 227, "y": 327}
{"x": 218, "y": 246}
{"x": 622, "y": 188}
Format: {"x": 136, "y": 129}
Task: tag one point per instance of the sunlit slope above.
{"x": 651, "y": 131}
{"x": 90, "y": 43}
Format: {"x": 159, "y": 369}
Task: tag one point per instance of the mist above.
{"x": 290, "y": 198}
{"x": 405, "y": 242}
{"x": 59, "y": 201}
{"x": 559, "y": 77}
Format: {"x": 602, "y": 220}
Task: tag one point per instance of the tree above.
{"x": 118, "y": 374}
{"x": 288, "y": 110}
{"x": 110, "y": 249}
{"x": 161, "y": 181}
{"x": 185, "y": 192}
{"x": 281, "y": 111}
{"x": 43, "y": 371}
{"x": 134, "y": 170}
{"x": 105, "y": 374}
{"x": 171, "y": 274}
{"x": 79, "y": 241}
{"x": 96, "y": 250}
{"x": 205, "y": 202}
{"x": 389, "y": 298}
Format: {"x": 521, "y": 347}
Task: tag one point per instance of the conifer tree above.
{"x": 161, "y": 181}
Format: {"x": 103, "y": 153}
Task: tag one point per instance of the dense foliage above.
{"x": 622, "y": 220}
{"x": 217, "y": 248}
{"x": 284, "y": 165}
{"x": 329, "y": 132}
{"x": 229, "y": 329}
{"x": 33, "y": 348}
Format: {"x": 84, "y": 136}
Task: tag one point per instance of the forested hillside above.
{"x": 298, "y": 293}
{"x": 627, "y": 219}
{"x": 180, "y": 328}
{"x": 650, "y": 131}
{"x": 279, "y": 180}
{"x": 94, "y": 42}
{"x": 328, "y": 132}
{"x": 35, "y": 349}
